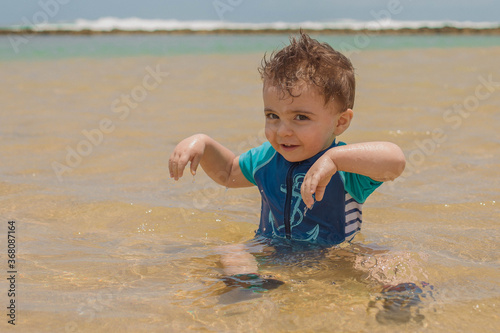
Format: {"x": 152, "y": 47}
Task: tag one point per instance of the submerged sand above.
{"x": 108, "y": 242}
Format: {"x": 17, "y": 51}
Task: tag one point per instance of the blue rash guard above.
{"x": 330, "y": 221}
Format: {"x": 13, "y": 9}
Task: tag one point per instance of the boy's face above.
{"x": 299, "y": 127}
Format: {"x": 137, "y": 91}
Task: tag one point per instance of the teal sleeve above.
{"x": 358, "y": 186}
{"x": 252, "y": 160}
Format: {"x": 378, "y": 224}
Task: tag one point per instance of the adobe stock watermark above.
{"x": 454, "y": 117}
{"x": 100, "y": 301}
{"x": 48, "y": 10}
{"x": 363, "y": 39}
{"x": 121, "y": 107}
{"x": 211, "y": 190}
{"x": 223, "y": 6}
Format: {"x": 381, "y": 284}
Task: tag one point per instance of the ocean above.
{"x": 105, "y": 241}
{"x": 40, "y": 47}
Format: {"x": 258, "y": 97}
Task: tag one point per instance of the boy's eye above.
{"x": 301, "y": 117}
{"x": 272, "y": 116}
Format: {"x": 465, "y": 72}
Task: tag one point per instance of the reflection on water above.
{"x": 117, "y": 246}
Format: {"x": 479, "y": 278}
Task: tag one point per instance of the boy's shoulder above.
{"x": 255, "y": 158}
{"x": 257, "y": 154}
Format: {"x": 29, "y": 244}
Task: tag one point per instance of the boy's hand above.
{"x": 188, "y": 150}
{"x": 218, "y": 162}
{"x": 316, "y": 179}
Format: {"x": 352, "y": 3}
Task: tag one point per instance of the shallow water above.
{"x": 113, "y": 244}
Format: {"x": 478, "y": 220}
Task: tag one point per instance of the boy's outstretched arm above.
{"x": 381, "y": 161}
{"x": 217, "y": 161}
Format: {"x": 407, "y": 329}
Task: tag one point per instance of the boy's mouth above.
{"x": 287, "y": 147}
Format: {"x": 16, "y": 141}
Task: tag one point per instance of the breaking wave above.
{"x": 148, "y": 25}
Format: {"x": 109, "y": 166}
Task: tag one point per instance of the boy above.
{"x": 308, "y": 92}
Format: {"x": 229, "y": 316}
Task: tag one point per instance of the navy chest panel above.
{"x": 284, "y": 213}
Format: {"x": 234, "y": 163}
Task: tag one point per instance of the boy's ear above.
{"x": 343, "y": 122}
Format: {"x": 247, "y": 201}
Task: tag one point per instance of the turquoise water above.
{"x": 40, "y": 47}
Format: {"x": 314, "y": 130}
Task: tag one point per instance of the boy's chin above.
{"x": 295, "y": 159}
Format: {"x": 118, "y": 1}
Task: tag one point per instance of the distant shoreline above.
{"x": 446, "y": 30}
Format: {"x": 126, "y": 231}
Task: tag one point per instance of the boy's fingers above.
{"x": 194, "y": 164}
{"x": 307, "y": 191}
{"x": 176, "y": 165}
{"x": 303, "y": 190}
{"x": 311, "y": 190}
{"x": 172, "y": 167}
{"x": 183, "y": 161}
{"x": 313, "y": 184}
{"x": 319, "y": 193}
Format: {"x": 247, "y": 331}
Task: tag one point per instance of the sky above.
{"x": 15, "y": 12}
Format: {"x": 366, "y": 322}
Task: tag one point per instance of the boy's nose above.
{"x": 284, "y": 129}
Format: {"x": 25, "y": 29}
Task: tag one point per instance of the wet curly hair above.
{"x": 308, "y": 61}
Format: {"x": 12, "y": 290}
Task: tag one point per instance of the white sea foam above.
{"x": 138, "y": 24}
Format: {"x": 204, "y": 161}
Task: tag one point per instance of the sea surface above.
{"x": 381, "y": 20}
{"x": 106, "y": 241}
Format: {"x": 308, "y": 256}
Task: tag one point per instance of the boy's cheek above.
{"x": 269, "y": 133}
